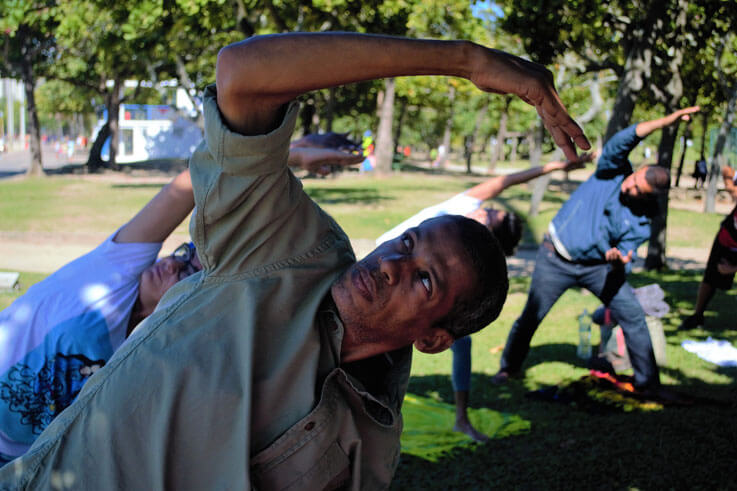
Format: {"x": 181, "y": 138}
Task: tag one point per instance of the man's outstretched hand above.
{"x": 321, "y": 160}
{"x": 615, "y": 257}
{"x": 684, "y": 113}
{"x": 502, "y": 73}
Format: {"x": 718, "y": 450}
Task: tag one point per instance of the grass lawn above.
{"x": 537, "y": 445}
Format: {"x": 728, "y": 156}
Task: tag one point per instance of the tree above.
{"x": 725, "y": 62}
{"x": 28, "y": 46}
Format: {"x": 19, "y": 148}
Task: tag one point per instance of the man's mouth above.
{"x": 364, "y": 283}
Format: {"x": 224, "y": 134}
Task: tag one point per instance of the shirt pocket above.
{"x": 307, "y": 456}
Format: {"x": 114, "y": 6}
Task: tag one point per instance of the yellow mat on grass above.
{"x": 428, "y": 426}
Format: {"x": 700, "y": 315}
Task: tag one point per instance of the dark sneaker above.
{"x": 692, "y": 322}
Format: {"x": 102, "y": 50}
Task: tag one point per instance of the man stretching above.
{"x": 591, "y": 241}
{"x": 284, "y": 362}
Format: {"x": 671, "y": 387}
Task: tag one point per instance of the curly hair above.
{"x": 485, "y": 303}
{"x": 509, "y": 232}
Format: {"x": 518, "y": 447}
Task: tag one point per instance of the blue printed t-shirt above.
{"x": 53, "y": 338}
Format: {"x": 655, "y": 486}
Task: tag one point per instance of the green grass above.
{"x": 567, "y": 447}
{"x": 70, "y": 205}
{"x": 25, "y": 281}
{"x": 561, "y": 446}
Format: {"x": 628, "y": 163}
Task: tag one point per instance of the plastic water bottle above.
{"x": 584, "y": 335}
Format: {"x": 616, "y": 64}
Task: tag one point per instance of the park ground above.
{"x": 599, "y": 439}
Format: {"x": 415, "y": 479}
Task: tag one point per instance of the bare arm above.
{"x": 256, "y": 77}
{"x": 646, "y": 127}
{"x": 158, "y": 219}
{"x": 494, "y": 186}
{"x": 729, "y": 185}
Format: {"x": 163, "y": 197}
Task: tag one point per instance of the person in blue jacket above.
{"x": 591, "y": 242}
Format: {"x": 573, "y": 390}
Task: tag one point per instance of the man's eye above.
{"x": 425, "y": 278}
{"x": 407, "y": 242}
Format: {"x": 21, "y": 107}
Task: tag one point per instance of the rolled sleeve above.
{"x": 244, "y": 193}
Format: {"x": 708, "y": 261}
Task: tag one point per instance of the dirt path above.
{"x": 46, "y": 252}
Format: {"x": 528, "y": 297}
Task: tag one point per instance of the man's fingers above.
{"x": 350, "y": 160}
{"x": 564, "y": 130}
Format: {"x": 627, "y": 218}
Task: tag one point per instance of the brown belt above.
{"x": 548, "y": 244}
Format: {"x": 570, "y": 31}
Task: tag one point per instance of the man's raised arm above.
{"x": 646, "y": 127}
{"x": 256, "y": 77}
{"x": 493, "y": 187}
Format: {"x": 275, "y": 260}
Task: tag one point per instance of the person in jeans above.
{"x": 591, "y": 242}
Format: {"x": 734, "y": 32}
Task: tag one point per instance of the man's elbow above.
{"x": 224, "y": 71}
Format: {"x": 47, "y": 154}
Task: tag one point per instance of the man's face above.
{"x": 162, "y": 275}
{"x": 635, "y": 185}
{"x": 489, "y": 217}
{"x": 404, "y": 286}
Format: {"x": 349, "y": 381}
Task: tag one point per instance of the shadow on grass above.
{"x": 674, "y": 447}
{"x": 143, "y": 185}
{"x": 346, "y": 195}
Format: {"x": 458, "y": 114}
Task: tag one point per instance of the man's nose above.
{"x": 392, "y": 266}
{"x": 172, "y": 265}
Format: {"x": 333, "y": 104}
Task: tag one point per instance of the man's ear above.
{"x": 434, "y": 341}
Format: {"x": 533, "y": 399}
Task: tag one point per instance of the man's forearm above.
{"x": 163, "y": 214}
{"x": 265, "y": 72}
{"x": 283, "y": 66}
{"x": 646, "y": 127}
{"x": 256, "y": 77}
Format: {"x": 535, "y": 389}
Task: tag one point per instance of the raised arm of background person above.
{"x": 158, "y": 219}
{"x": 729, "y": 185}
{"x": 494, "y": 186}
{"x": 256, "y": 77}
{"x": 646, "y": 127}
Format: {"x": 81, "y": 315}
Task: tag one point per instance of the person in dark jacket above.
{"x": 591, "y": 242}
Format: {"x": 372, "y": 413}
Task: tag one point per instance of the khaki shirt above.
{"x": 234, "y": 381}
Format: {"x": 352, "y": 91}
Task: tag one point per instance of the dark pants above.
{"x": 553, "y": 275}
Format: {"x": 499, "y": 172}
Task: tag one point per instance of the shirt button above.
{"x": 309, "y": 426}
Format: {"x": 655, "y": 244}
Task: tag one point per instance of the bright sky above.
{"x": 487, "y": 9}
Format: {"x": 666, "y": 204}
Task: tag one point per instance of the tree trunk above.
{"x": 384, "y": 144}
{"x": 717, "y": 157}
{"x": 540, "y": 184}
{"x": 671, "y": 96}
{"x": 307, "y": 115}
{"x": 682, "y": 160}
{"x": 186, "y": 83}
{"x": 36, "y": 166}
{"x": 636, "y": 69}
{"x": 636, "y": 72}
{"x": 400, "y": 120}
{"x": 497, "y": 153}
{"x": 113, "y": 120}
{"x": 447, "y": 133}
{"x": 704, "y": 128}
{"x": 656, "y": 246}
{"x": 513, "y": 150}
{"x": 94, "y": 159}
{"x": 470, "y": 140}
